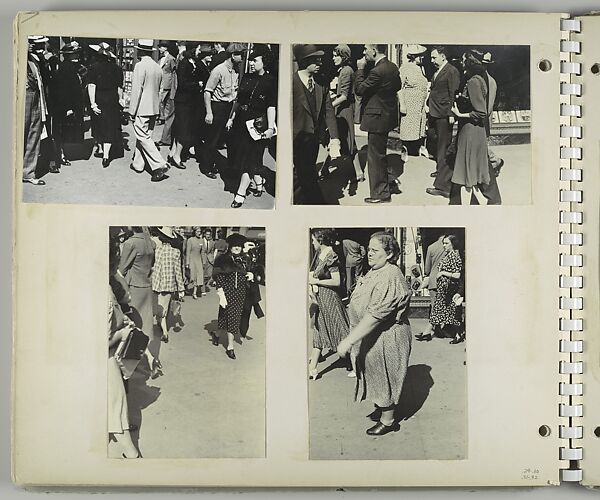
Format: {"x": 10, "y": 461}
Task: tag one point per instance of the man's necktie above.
{"x": 311, "y": 84}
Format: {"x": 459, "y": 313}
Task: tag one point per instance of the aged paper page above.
{"x": 61, "y": 259}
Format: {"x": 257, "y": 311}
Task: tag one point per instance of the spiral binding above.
{"x": 570, "y": 259}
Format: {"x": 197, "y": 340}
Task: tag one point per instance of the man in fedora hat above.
{"x": 220, "y": 93}
{"x": 378, "y": 85}
{"x": 36, "y": 111}
{"x": 313, "y": 116}
{"x": 67, "y": 91}
{"x": 143, "y": 108}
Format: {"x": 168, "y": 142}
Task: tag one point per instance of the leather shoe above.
{"x": 131, "y": 167}
{"x": 210, "y": 175}
{"x": 230, "y": 353}
{"x": 65, "y": 162}
{"x": 380, "y": 429}
{"x": 171, "y": 161}
{"x": 433, "y": 174}
{"x": 437, "y": 192}
{"x": 395, "y": 188}
{"x": 159, "y": 174}
{"x": 105, "y": 162}
{"x": 54, "y": 170}
{"x": 377, "y": 200}
{"x": 423, "y": 338}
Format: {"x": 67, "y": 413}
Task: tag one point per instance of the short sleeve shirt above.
{"x": 222, "y": 83}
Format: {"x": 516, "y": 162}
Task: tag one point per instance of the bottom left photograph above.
{"x": 186, "y": 342}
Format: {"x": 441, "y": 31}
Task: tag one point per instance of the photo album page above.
{"x": 292, "y": 249}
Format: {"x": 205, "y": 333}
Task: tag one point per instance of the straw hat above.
{"x": 167, "y": 231}
{"x": 145, "y": 44}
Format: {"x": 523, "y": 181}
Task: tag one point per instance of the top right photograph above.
{"x": 411, "y": 124}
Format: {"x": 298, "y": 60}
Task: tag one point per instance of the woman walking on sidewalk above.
{"x": 231, "y": 281}
{"x": 194, "y": 262}
{"x": 167, "y": 276}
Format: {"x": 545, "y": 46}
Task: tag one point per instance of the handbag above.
{"x": 257, "y": 126}
{"x": 133, "y": 347}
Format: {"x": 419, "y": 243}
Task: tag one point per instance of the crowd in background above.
{"x": 359, "y": 305}
{"x": 151, "y": 271}
{"x": 373, "y": 92}
{"x": 206, "y": 96}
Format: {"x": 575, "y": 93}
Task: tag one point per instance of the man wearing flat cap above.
{"x": 313, "y": 115}
{"x": 219, "y": 94}
{"x": 378, "y": 85}
{"x": 144, "y": 108}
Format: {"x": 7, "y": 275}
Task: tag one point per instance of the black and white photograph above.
{"x": 150, "y": 122}
{"x": 411, "y": 124}
{"x": 387, "y": 344}
{"x": 186, "y": 342}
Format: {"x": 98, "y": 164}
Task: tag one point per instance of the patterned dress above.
{"x": 331, "y": 318}
{"x": 443, "y": 310}
{"x": 230, "y": 275}
{"x": 414, "y": 95}
{"x": 166, "y": 273}
{"x": 383, "y": 354}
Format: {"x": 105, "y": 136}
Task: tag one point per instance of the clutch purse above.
{"x": 134, "y": 346}
{"x": 257, "y": 126}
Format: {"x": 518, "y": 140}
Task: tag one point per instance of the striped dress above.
{"x": 331, "y": 318}
{"x": 383, "y": 354}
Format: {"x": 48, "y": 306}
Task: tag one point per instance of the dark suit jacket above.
{"x": 311, "y": 121}
{"x": 443, "y": 91}
{"x": 378, "y": 88}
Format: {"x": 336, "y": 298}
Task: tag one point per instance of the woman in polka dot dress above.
{"x": 231, "y": 280}
{"x": 443, "y": 310}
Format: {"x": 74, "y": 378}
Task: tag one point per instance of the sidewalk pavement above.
{"x": 433, "y": 405}
{"x": 514, "y": 180}
{"x": 205, "y": 405}
{"x": 85, "y": 181}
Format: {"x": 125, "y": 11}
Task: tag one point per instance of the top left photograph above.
{"x": 150, "y": 122}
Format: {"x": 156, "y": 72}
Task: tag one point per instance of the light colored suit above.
{"x": 144, "y": 107}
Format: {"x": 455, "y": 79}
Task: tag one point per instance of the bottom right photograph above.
{"x": 387, "y": 343}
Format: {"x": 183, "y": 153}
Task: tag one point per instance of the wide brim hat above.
{"x": 167, "y": 231}
{"x": 145, "y": 44}
{"x": 236, "y": 47}
{"x": 71, "y": 48}
{"x": 37, "y": 39}
{"x": 236, "y": 240}
{"x": 303, "y": 51}
{"x": 102, "y": 48}
{"x": 414, "y": 49}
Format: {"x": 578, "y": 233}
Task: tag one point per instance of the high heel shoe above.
{"x": 214, "y": 339}
{"x": 139, "y": 455}
{"x": 237, "y": 204}
{"x": 313, "y": 374}
{"x": 258, "y": 190}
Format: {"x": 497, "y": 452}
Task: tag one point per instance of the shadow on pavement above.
{"x": 415, "y": 391}
{"x": 140, "y": 396}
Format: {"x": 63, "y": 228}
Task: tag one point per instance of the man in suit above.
{"x": 354, "y": 254}
{"x": 168, "y": 65}
{"x": 313, "y": 116}
{"x": 143, "y": 109}
{"x": 378, "y": 85}
{"x": 444, "y": 86}
{"x": 433, "y": 256}
{"x": 208, "y": 256}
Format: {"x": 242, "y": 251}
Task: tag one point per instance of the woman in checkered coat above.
{"x": 167, "y": 276}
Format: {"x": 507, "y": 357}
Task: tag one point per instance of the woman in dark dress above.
{"x": 67, "y": 88}
{"x": 471, "y": 168}
{"x": 105, "y": 88}
{"x": 187, "y": 99}
{"x": 231, "y": 280}
{"x": 343, "y": 102}
{"x": 254, "y": 109}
